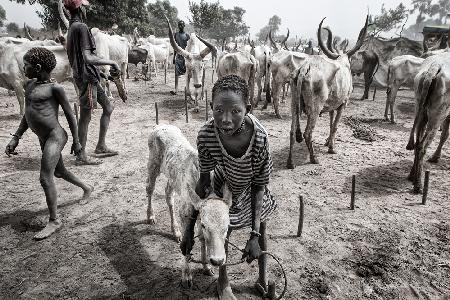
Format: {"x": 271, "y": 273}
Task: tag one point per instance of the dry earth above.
{"x": 389, "y": 247}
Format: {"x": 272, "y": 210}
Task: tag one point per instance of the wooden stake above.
{"x": 212, "y": 75}
{"x": 75, "y": 108}
{"x": 165, "y": 73}
{"x": 425, "y": 187}
{"x": 352, "y": 201}
{"x": 206, "y": 106}
{"x": 203, "y": 81}
{"x": 300, "y": 217}
{"x": 186, "y": 105}
{"x": 157, "y": 115}
{"x": 374, "y": 93}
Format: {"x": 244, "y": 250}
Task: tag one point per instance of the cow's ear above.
{"x": 227, "y": 195}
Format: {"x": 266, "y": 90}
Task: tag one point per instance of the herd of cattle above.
{"x": 319, "y": 83}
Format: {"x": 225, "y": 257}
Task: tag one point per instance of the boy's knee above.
{"x": 108, "y": 108}
{"x": 85, "y": 115}
{"x": 59, "y": 174}
{"x": 45, "y": 180}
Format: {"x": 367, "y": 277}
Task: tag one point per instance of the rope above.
{"x": 243, "y": 260}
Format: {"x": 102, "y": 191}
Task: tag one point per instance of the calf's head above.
{"x": 215, "y": 221}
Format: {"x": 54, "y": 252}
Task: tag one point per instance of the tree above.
{"x": 157, "y": 11}
{"x": 2, "y": 16}
{"x": 127, "y": 14}
{"x": 230, "y": 24}
{"x": 426, "y": 8}
{"x": 388, "y": 19}
{"x": 204, "y": 15}
{"x": 12, "y": 27}
{"x": 274, "y": 25}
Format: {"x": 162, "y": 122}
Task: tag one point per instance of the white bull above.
{"x": 401, "y": 72}
{"x": 194, "y": 55}
{"x": 171, "y": 153}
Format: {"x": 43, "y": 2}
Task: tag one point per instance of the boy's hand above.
{"x": 252, "y": 250}
{"x": 76, "y": 148}
{"x": 12, "y": 146}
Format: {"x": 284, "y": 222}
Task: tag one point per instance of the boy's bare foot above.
{"x": 87, "y": 193}
{"x": 105, "y": 152}
{"x": 87, "y": 162}
{"x": 51, "y": 227}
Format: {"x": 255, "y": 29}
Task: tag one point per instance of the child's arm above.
{"x": 93, "y": 59}
{"x": 61, "y": 97}
{"x": 11, "y": 147}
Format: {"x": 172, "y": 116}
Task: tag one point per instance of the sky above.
{"x": 345, "y": 17}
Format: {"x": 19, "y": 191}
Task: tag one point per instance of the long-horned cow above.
{"x": 432, "y": 90}
{"x": 171, "y": 153}
{"x": 194, "y": 54}
{"x": 321, "y": 85}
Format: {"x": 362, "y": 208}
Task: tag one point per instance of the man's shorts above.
{"x": 90, "y": 93}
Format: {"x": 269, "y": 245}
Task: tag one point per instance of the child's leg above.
{"x": 51, "y": 152}
{"x": 62, "y": 172}
{"x": 108, "y": 108}
{"x": 262, "y": 260}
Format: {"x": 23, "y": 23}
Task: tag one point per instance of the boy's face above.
{"x": 181, "y": 26}
{"x": 30, "y": 70}
{"x": 229, "y": 111}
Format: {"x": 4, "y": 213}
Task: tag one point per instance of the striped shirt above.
{"x": 253, "y": 168}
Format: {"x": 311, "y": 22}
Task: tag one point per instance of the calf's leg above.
{"x": 444, "y": 136}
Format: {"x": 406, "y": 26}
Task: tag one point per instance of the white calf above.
{"x": 171, "y": 153}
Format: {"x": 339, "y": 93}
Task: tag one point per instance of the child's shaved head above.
{"x": 232, "y": 83}
{"x": 42, "y": 56}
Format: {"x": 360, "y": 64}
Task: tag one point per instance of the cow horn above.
{"x": 287, "y": 36}
{"x": 271, "y": 41}
{"x": 60, "y": 33}
{"x": 210, "y": 48}
{"x": 324, "y": 49}
{"x": 361, "y": 37}
{"x": 174, "y": 44}
{"x": 26, "y": 31}
{"x": 61, "y": 14}
{"x": 344, "y": 45}
{"x": 329, "y": 39}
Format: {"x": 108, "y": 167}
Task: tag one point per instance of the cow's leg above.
{"x": 153, "y": 167}
{"x": 284, "y": 92}
{"x": 258, "y": 83}
{"x": 366, "y": 85}
{"x": 276, "y": 99}
{"x": 391, "y": 99}
{"x": 311, "y": 123}
{"x": 207, "y": 270}
{"x": 333, "y": 129}
{"x": 271, "y": 94}
{"x": 185, "y": 213}
{"x": 20, "y": 94}
{"x": 410, "y": 145}
{"x": 188, "y": 80}
{"x": 294, "y": 128}
{"x": 331, "y": 113}
{"x": 444, "y": 136}
{"x": 170, "y": 203}
{"x": 251, "y": 85}
{"x": 421, "y": 128}
{"x": 124, "y": 70}
{"x": 223, "y": 283}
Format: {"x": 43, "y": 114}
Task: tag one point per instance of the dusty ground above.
{"x": 390, "y": 247}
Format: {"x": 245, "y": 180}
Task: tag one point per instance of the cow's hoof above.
{"x": 186, "y": 280}
{"x": 290, "y": 165}
{"x": 417, "y": 189}
{"x": 208, "y": 271}
{"x": 298, "y": 136}
{"x": 434, "y": 159}
{"x": 393, "y": 122}
{"x": 151, "y": 220}
{"x": 410, "y": 146}
{"x": 331, "y": 151}
{"x": 177, "y": 235}
{"x": 327, "y": 143}
{"x": 196, "y": 110}
{"x": 264, "y": 106}
{"x": 225, "y": 293}
{"x": 278, "y": 116}
{"x": 314, "y": 160}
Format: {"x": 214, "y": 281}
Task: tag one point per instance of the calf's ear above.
{"x": 227, "y": 195}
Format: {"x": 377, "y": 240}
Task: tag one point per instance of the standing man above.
{"x": 181, "y": 38}
{"x": 83, "y": 60}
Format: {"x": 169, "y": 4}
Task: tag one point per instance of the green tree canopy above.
{"x": 431, "y": 9}
{"x": 2, "y": 16}
{"x": 388, "y": 19}
{"x": 12, "y": 27}
{"x": 274, "y": 25}
{"x": 204, "y": 15}
{"x": 157, "y": 11}
{"x": 127, "y": 14}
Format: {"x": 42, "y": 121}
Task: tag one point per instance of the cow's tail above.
{"x": 375, "y": 71}
{"x": 388, "y": 90}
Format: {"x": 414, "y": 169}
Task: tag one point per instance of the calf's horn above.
{"x": 324, "y": 49}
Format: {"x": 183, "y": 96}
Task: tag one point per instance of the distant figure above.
{"x": 43, "y": 97}
{"x": 181, "y": 38}
{"x": 309, "y": 50}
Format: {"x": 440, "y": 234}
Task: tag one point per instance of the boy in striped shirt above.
{"x": 235, "y": 146}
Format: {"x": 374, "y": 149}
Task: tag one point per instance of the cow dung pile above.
{"x": 361, "y": 130}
